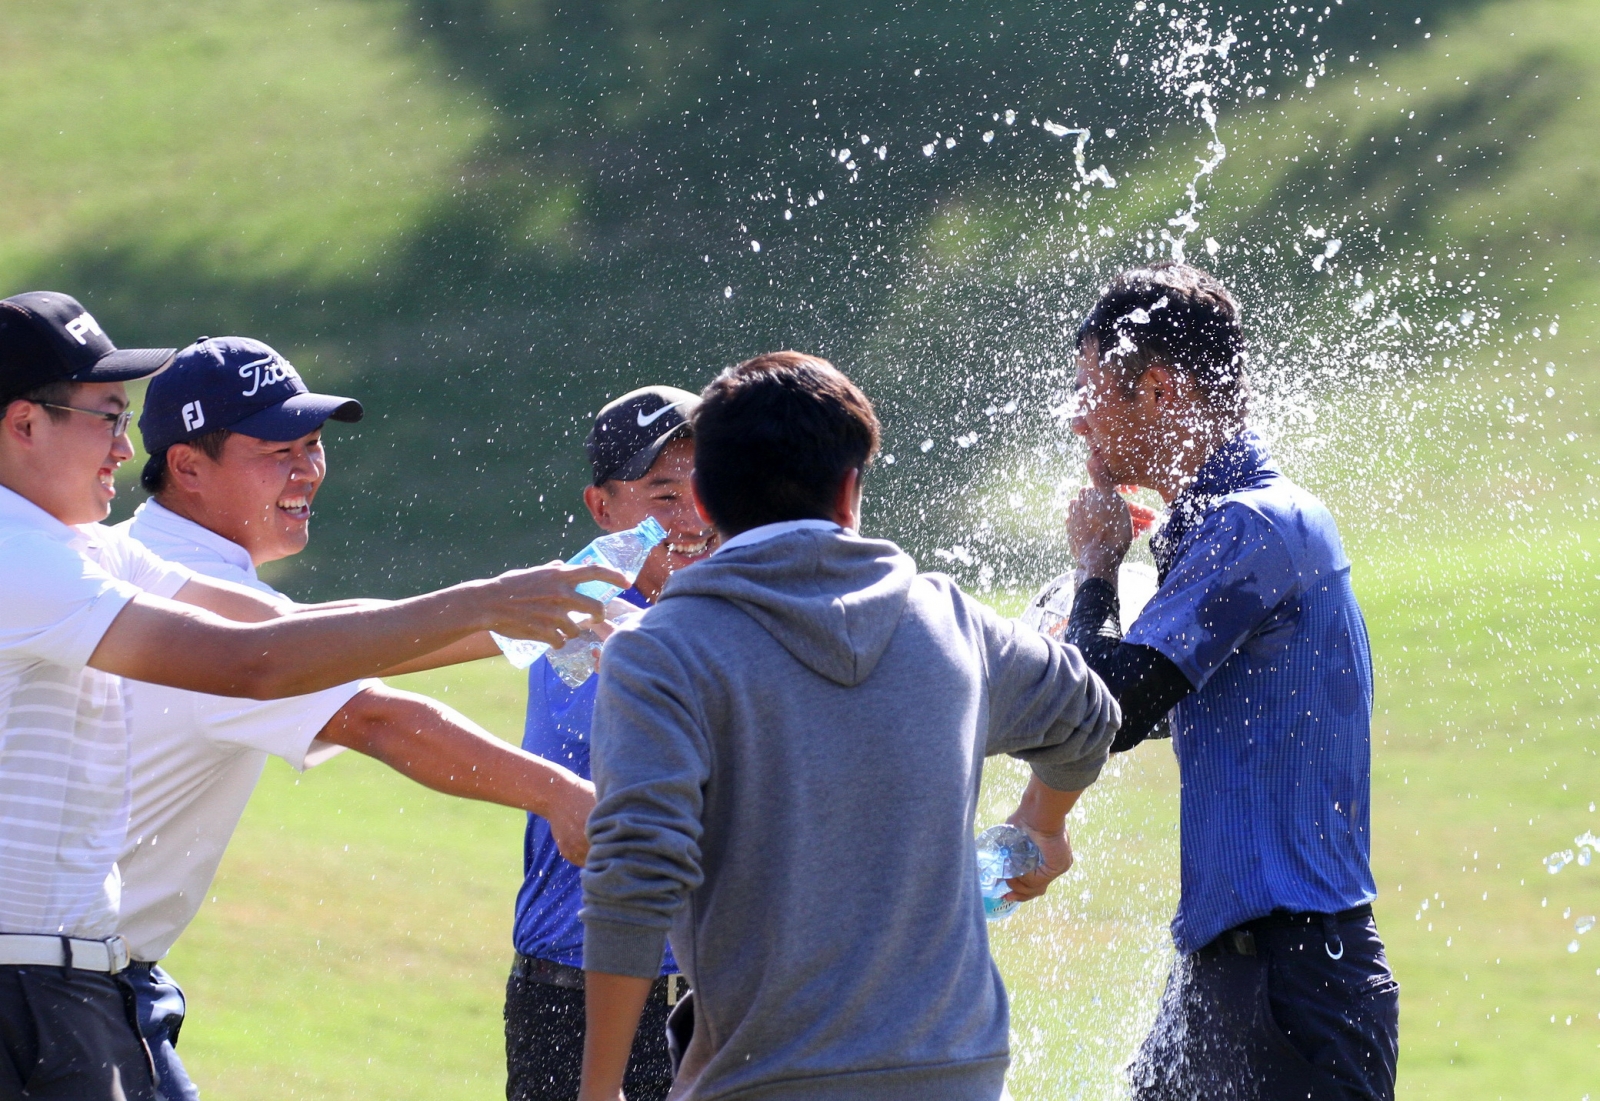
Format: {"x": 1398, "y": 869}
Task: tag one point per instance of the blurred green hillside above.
{"x": 483, "y": 217}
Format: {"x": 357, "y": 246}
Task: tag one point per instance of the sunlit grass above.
{"x": 377, "y": 971}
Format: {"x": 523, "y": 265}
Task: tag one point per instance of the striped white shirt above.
{"x": 64, "y": 777}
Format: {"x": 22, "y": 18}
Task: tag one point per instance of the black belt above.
{"x": 1241, "y": 939}
{"x": 548, "y": 972}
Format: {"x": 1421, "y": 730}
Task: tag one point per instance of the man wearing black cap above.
{"x": 81, "y": 608}
{"x": 642, "y": 458}
{"x": 236, "y": 462}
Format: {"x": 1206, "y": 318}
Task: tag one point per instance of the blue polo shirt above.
{"x": 1275, "y": 745}
{"x": 557, "y": 729}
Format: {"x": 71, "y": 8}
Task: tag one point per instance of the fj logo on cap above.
{"x": 81, "y": 326}
{"x": 193, "y": 416}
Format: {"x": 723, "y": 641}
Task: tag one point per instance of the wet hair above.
{"x": 774, "y": 439}
{"x": 154, "y": 475}
{"x": 1174, "y": 315}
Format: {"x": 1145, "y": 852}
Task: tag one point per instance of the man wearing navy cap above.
{"x": 236, "y": 462}
{"x": 641, "y": 455}
{"x": 83, "y": 609}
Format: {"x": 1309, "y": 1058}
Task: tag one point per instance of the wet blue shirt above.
{"x": 1274, "y": 746}
{"x": 557, "y": 729}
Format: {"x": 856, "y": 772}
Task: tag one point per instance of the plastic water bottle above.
{"x": 1004, "y": 852}
{"x": 623, "y": 551}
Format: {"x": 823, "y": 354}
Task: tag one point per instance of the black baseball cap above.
{"x": 630, "y": 432}
{"x": 46, "y": 337}
{"x": 237, "y": 383}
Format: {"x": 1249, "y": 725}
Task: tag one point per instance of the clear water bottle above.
{"x": 623, "y": 551}
{"x": 1004, "y": 852}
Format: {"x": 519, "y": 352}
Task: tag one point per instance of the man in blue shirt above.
{"x": 642, "y": 456}
{"x": 1256, "y": 645}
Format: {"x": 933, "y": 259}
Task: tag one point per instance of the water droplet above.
{"x": 1573, "y": 947}
{"x": 1584, "y": 924}
{"x": 949, "y": 143}
{"x": 727, "y": 292}
{"x": 988, "y": 136}
{"x": 927, "y": 446}
{"x": 755, "y": 246}
{"x": 927, "y": 150}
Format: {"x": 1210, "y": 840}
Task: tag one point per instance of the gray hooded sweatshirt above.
{"x": 787, "y": 751}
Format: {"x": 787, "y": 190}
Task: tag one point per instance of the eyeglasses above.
{"x": 118, "y": 421}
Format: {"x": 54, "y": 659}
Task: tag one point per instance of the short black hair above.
{"x": 1176, "y": 315}
{"x": 154, "y": 475}
{"x": 57, "y": 392}
{"x": 774, "y": 439}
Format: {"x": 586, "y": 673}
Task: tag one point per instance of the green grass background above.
{"x": 377, "y": 187}
{"x": 359, "y": 938}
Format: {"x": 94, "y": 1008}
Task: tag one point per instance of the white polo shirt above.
{"x": 64, "y": 774}
{"x": 197, "y": 758}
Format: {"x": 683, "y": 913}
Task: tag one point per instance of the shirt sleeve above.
{"x": 1234, "y": 577}
{"x": 651, "y": 764}
{"x": 137, "y": 564}
{"x": 285, "y": 728}
{"x": 55, "y": 604}
{"x": 1045, "y": 706}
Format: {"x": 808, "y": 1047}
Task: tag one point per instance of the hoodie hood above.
{"x": 831, "y": 599}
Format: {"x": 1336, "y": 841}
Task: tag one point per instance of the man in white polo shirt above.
{"x": 82, "y": 607}
{"x": 236, "y": 460}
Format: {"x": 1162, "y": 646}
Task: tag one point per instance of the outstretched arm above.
{"x": 186, "y": 646}
{"x": 441, "y": 748}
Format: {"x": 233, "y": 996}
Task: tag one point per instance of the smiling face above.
{"x": 258, "y": 493}
{"x": 664, "y": 494}
{"x": 66, "y": 462}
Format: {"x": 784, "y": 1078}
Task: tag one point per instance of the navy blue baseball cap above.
{"x": 236, "y": 383}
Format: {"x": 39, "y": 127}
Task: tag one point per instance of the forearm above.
{"x": 186, "y": 646}
{"x": 1145, "y": 682}
{"x": 474, "y": 647}
{"x": 614, "y": 1004}
{"x": 1044, "y": 809}
{"x": 441, "y": 748}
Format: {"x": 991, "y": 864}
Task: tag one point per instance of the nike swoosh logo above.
{"x": 646, "y": 422}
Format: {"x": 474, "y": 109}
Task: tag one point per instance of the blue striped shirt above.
{"x": 1275, "y": 745}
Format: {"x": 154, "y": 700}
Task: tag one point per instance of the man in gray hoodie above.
{"x": 787, "y": 754}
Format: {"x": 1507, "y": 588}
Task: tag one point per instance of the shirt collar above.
{"x": 772, "y": 531}
{"x": 16, "y": 512}
{"x": 1230, "y": 467}
{"x": 157, "y": 522}
{"x": 1233, "y": 466}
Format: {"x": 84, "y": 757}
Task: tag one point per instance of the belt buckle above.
{"x": 117, "y": 954}
{"x": 1242, "y": 941}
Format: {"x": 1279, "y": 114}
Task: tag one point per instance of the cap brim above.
{"x": 126, "y": 364}
{"x": 298, "y": 416}
{"x": 643, "y": 459}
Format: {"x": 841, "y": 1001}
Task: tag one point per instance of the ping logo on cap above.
{"x": 193, "y": 416}
{"x": 81, "y": 326}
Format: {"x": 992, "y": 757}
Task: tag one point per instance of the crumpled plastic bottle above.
{"x": 1004, "y": 852}
{"x": 623, "y": 551}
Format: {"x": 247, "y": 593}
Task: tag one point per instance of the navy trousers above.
{"x": 69, "y": 1036}
{"x": 161, "y": 1007}
{"x": 1291, "y": 1008}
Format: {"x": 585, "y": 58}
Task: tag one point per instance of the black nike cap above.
{"x": 46, "y": 337}
{"x": 631, "y": 431}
